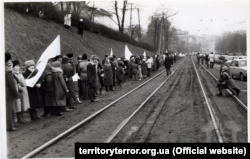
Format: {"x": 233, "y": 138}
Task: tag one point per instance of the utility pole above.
{"x": 130, "y": 21}
{"x": 139, "y": 37}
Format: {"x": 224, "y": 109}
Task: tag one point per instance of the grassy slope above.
{"x": 26, "y": 37}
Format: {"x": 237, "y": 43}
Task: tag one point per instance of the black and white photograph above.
{"x": 122, "y": 71}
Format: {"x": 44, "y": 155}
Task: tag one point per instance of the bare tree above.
{"x": 120, "y": 23}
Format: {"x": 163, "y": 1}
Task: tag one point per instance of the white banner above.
{"x": 111, "y": 53}
{"x": 52, "y": 50}
{"x": 128, "y": 54}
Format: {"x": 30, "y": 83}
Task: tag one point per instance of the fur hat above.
{"x": 29, "y": 63}
{"x": 70, "y": 55}
{"x": 7, "y": 56}
{"x": 56, "y": 64}
{"x": 15, "y": 62}
{"x": 84, "y": 57}
{"x": 65, "y": 59}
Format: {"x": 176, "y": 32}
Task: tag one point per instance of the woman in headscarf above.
{"x": 23, "y": 103}
{"x": 35, "y": 93}
{"x": 60, "y": 88}
{"x": 48, "y": 87}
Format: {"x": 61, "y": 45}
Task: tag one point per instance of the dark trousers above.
{"x": 9, "y": 113}
{"x": 148, "y": 70}
{"x": 168, "y": 71}
{"x": 79, "y": 89}
{"x": 211, "y": 64}
{"x": 92, "y": 91}
{"x": 71, "y": 93}
{"x": 198, "y": 60}
{"x": 85, "y": 89}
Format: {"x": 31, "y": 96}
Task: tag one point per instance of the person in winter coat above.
{"x": 68, "y": 73}
{"x": 144, "y": 68}
{"x": 11, "y": 93}
{"x": 92, "y": 78}
{"x": 211, "y": 59}
{"x": 120, "y": 74}
{"x": 206, "y": 60}
{"x": 35, "y": 93}
{"x": 226, "y": 82}
{"x": 100, "y": 75}
{"x": 168, "y": 63}
{"x": 83, "y": 76}
{"x": 198, "y": 56}
{"x": 202, "y": 57}
{"x": 23, "y": 103}
{"x": 108, "y": 74}
{"x": 80, "y": 27}
{"x": 60, "y": 88}
{"x": 135, "y": 70}
{"x": 149, "y": 65}
{"x": 67, "y": 20}
{"x": 79, "y": 59}
{"x": 48, "y": 88}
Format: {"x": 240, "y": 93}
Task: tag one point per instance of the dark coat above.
{"x": 11, "y": 86}
{"x": 100, "y": 72}
{"x": 60, "y": 88}
{"x": 80, "y": 28}
{"x": 68, "y": 70}
{"x": 135, "y": 68}
{"x": 92, "y": 75}
{"x": 108, "y": 74}
{"x": 48, "y": 88}
{"x": 168, "y": 62}
{"x": 130, "y": 68}
{"x": 144, "y": 67}
{"x": 35, "y": 94}
{"x": 120, "y": 73}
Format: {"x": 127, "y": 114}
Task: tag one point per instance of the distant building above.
{"x": 97, "y": 15}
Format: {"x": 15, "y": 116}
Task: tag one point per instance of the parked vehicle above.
{"x": 238, "y": 68}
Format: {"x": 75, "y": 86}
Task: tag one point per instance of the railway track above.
{"x": 139, "y": 124}
{"x": 84, "y": 124}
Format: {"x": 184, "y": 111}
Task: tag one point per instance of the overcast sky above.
{"x": 197, "y": 17}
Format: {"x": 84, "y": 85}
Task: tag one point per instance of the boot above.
{"x": 106, "y": 88}
{"x": 111, "y": 88}
{"x": 219, "y": 94}
{"x": 19, "y": 119}
{"x": 22, "y": 117}
{"x": 31, "y": 114}
{"x": 237, "y": 91}
{"x": 35, "y": 115}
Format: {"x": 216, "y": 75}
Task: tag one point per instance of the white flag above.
{"x": 52, "y": 50}
{"x": 166, "y": 51}
{"x": 128, "y": 54}
{"x": 111, "y": 53}
{"x": 76, "y": 77}
{"x": 144, "y": 54}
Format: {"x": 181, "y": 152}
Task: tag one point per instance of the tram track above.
{"x": 230, "y": 114}
{"x": 176, "y": 117}
{"x": 89, "y": 124}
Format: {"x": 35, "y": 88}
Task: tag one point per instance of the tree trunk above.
{"x": 123, "y": 15}
{"x": 117, "y": 16}
{"x": 61, "y": 7}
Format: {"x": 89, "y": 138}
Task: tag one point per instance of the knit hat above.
{"x": 29, "y": 63}
{"x": 7, "y": 56}
{"x": 65, "y": 59}
{"x": 15, "y": 62}
{"x": 70, "y": 55}
{"x": 84, "y": 57}
{"x": 56, "y": 64}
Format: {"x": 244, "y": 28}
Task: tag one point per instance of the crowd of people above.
{"x": 55, "y": 91}
{"x": 225, "y": 81}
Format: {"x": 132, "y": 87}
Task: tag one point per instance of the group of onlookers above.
{"x": 55, "y": 90}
